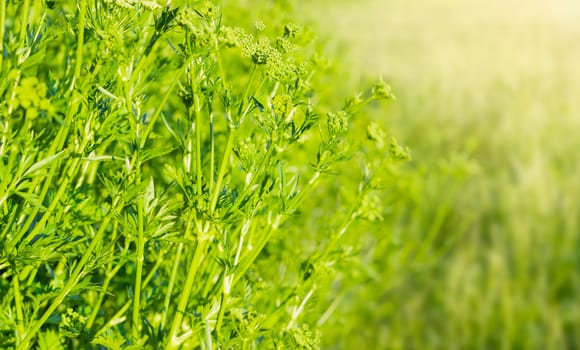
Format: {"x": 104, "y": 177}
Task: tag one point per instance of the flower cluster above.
{"x": 383, "y": 91}
{"x": 31, "y": 96}
{"x": 399, "y": 152}
{"x": 303, "y": 338}
{"x": 71, "y": 323}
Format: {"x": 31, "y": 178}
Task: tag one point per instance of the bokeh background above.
{"x": 481, "y": 247}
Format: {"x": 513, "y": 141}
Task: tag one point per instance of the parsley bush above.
{"x": 163, "y": 176}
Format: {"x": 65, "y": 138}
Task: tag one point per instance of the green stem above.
{"x": 72, "y": 280}
{"x": 159, "y": 109}
{"x": 351, "y": 216}
{"x": 225, "y": 294}
{"x": 222, "y": 72}
{"x": 254, "y": 253}
{"x": 145, "y": 58}
{"x": 171, "y": 284}
{"x": 343, "y": 228}
{"x": 53, "y": 205}
{"x": 229, "y": 144}
{"x": 208, "y": 340}
{"x": 246, "y": 263}
{"x": 306, "y": 190}
{"x": 140, "y": 257}
{"x": 56, "y": 145}
{"x": 188, "y": 158}
{"x": 11, "y": 219}
{"x": 23, "y": 23}
{"x": 140, "y": 253}
{"x": 112, "y": 272}
{"x": 198, "y": 169}
{"x": 300, "y": 309}
{"x": 175, "y": 270}
{"x": 326, "y": 315}
{"x": 223, "y": 169}
{"x": 247, "y": 90}
{"x": 212, "y": 153}
{"x": 71, "y": 173}
{"x": 10, "y": 188}
{"x": 128, "y": 304}
{"x": 18, "y": 305}
{"x": 214, "y": 271}
{"x": 80, "y": 42}
{"x": 256, "y": 175}
{"x": 102, "y": 294}
{"x": 200, "y": 249}
{"x": 2, "y": 27}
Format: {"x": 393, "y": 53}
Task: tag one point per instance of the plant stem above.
{"x": 198, "y": 169}
{"x": 253, "y": 255}
{"x": 53, "y": 205}
{"x": 343, "y": 228}
{"x": 55, "y": 146}
{"x": 72, "y": 280}
{"x": 200, "y": 249}
{"x": 140, "y": 258}
{"x": 18, "y": 305}
{"x": 80, "y": 42}
{"x": 208, "y": 340}
{"x": 256, "y": 175}
{"x": 299, "y": 309}
{"x": 174, "y": 271}
{"x": 128, "y": 304}
{"x": 306, "y": 190}
{"x": 106, "y": 284}
{"x": 222, "y": 73}
{"x": 223, "y": 169}
{"x": 171, "y": 284}
{"x": 23, "y": 23}
{"x": 246, "y": 263}
{"x": 112, "y": 273}
{"x": 247, "y": 89}
{"x": 326, "y": 315}
{"x": 2, "y": 28}
{"x": 159, "y": 108}
{"x": 212, "y": 153}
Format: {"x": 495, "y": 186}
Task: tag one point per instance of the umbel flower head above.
{"x": 399, "y": 152}
{"x": 281, "y": 105}
{"x": 337, "y": 123}
{"x": 377, "y": 134}
{"x": 207, "y": 10}
{"x": 30, "y": 95}
{"x": 382, "y": 91}
{"x": 262, "y": 51}
{"x": 292, "y": 30}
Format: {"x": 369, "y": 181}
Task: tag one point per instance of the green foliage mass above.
{"x": 485, "y": 217}
{"x": 171, "y": 177}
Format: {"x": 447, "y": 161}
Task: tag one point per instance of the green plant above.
{"x": 156, "y": 169}
{"x": 485, "y": 223}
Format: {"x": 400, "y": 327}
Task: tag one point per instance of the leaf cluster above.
{"x": 156, "y": 165}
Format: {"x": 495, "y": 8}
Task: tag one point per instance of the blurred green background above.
{"x": 481, "y": 247}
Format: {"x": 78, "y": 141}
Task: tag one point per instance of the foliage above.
{"x": 481, "y": 247}
{"x": 158, "y": 166}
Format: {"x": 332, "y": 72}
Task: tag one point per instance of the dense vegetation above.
{"x": 487, "y": 99}
{"x": 224, "y": 175}
{"x": 171, "y": 177}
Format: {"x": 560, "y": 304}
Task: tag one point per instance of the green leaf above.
{"x": 49, "y": 340}
{"x": 40, "y": 165}
{"x": 111, "y": 340}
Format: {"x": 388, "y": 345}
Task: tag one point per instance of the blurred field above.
{"x": 489, "y": 221}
